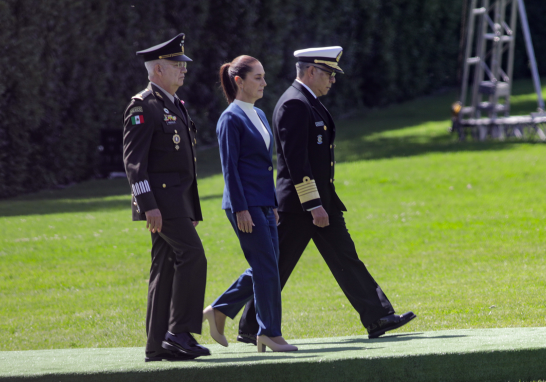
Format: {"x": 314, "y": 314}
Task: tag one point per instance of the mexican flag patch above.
{"x": 137, "y": 119}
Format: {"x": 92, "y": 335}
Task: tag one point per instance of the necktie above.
{"x": 177, "y": 104}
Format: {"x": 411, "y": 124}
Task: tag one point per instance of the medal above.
{"x": 176, "y": 139}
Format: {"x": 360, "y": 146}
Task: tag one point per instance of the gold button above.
{"x": 164, "y": 185}
{"x": 330, "y": 146}
{"x": 331, "y": 163}
{"x": 325, "y": 127}
{"x": 176, "y": 132}
{"x": 331, "y": 180}
{"x": 195, "y": 159}
{"x": 270, "y": 168}
{"x": 194, "y": 140}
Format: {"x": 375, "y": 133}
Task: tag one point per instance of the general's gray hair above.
{"x": 150, "y": 65}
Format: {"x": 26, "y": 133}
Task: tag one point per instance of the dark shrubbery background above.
{"x": 68, "y": 67}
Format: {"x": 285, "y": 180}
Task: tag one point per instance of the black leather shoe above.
{"x": 184, "y": 343}
{"x": 390, "y": 322}
{"x": 167, "y": 356}
{"x": 247, "y": 338}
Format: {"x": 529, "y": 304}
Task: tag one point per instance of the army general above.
{"x": 159, "y": 157}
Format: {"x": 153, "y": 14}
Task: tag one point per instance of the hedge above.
{"x": 69, "y": 67}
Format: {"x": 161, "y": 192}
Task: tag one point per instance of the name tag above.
{"x": 319, "y": 123}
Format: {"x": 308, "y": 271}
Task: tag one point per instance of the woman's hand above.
{"x": 276, "y": 215}
{"x": 244, "y": 221}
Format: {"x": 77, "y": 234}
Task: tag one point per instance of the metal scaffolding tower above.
{"x": 489, "y": 54}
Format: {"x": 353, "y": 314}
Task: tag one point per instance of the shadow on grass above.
{"x": 409, "y": 337}
{"x": 351, "y": 150}
{"x": 389, "y": 338}
{"x": 355, "y": 140}
{"x": 91, "y": 196}
{"x": 374, "y": 134}
{"x": 252, "y": 358}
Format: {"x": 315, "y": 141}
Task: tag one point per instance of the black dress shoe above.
{"x": 247, "y": 338}
{"x": 184, "y": 343}
{"x": 390, "y": 322}
{"x": 167, "y": 356}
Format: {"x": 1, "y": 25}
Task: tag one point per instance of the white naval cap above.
{"x": 327, "y": 56}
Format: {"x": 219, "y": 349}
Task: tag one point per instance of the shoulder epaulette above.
{"x": 143, "y": 94}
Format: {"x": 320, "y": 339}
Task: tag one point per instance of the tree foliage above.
{"x": 69, "y": 66}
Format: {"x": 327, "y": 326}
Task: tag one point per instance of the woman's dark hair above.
{"x": 240, "y": 66}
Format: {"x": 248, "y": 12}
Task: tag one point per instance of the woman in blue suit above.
{"x": 246, "y": 149}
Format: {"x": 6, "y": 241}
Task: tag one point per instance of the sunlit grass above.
{"x": 453, "y": 231}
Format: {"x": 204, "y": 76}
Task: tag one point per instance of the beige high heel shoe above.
{"x": 208, "y": 314}
{"x": 263, "y": 341}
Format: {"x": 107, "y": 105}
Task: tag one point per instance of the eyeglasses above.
{"x": 332, "y": 74}
{"x": 181, "y": 64}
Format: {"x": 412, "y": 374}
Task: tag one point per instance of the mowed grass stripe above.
{"x": 453, "y": 231}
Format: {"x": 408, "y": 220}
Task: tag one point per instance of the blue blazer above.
{"x": 247, "y": 164}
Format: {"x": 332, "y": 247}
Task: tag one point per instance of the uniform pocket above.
{"x": 170, "y": 126}
{"x": 164, "y": 180}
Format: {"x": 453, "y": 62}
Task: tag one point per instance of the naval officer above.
{"x": 309, "y": 207}
{"x": 159, "y": 157}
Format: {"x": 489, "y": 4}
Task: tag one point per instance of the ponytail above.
{"x": 228, "y": 83}
{"x": 240, "y": 66}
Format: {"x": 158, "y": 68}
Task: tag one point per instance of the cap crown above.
{"x": 327, "y": 56}
{"x": 169, "y": 50}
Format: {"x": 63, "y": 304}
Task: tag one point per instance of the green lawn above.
{"x": 453, "y": 231}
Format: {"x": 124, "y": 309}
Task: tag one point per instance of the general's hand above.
{"x": 195, "y": 222}
{"x": 244, "y": 221}
{"x": 276, "y": 215}
{"x": 154, "y": 222}
{"x": 320, "y": 217}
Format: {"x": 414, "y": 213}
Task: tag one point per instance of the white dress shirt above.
{"x": 307, "y": 87}
{"x": 251, "y": 113}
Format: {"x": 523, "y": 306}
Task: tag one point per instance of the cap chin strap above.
{"x": 171, "y": 55}
{"x": 329, "y": 63}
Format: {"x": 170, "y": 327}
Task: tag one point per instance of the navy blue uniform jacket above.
{"x": 304, "y": 136}
{"x": 247, "y": 164}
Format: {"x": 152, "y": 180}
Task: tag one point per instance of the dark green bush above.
{"x": 69, "y": 67}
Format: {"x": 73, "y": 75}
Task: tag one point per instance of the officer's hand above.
{"x": 320, "y": 217}
{"x": 195, "y": 223}
{"x": 276, "y": 215}
{"x": 154, "y": 222}
{"x": 244, "y": 221}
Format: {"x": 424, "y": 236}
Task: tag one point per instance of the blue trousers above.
{"x": 261, "y": 280}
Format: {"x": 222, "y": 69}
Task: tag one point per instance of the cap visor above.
{"x": 179, "y": 58}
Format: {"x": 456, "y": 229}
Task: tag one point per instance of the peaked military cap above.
{"x": 169, "y": 50}
{"x": 327, "y": 56}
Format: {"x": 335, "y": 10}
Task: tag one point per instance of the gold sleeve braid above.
{"x": 307, "y": 190}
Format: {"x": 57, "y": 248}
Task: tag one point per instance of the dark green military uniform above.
{"x": 159, "y": 156}
{"x": 159, "y": 153}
